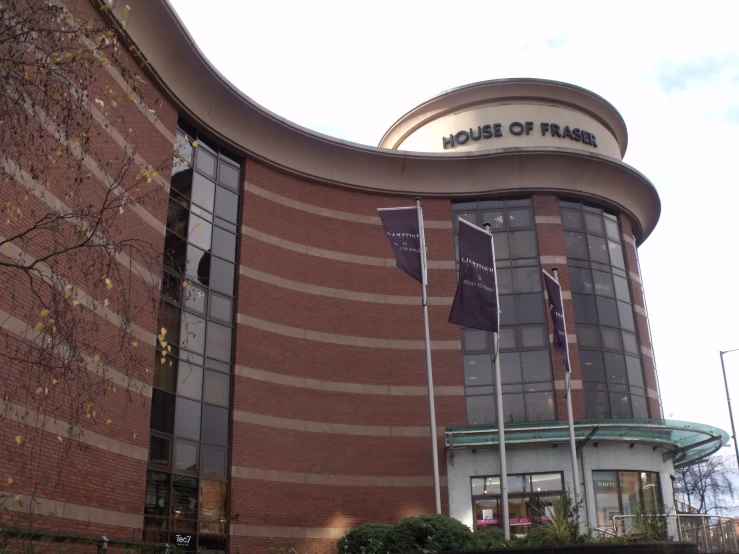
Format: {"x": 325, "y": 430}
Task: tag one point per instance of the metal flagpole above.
{"x": 570, "y": 422}
{"x": 499, "y": 410}
{"x": 429, "y": 374}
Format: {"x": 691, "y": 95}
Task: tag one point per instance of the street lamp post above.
{"x": 728, "y": 401}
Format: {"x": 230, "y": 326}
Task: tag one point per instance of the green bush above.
{"x": 365, "y": 539}
{"x": 487, "y": 537}
{"x": 427, "y": 533}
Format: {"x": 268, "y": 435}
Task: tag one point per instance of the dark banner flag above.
{"x": 401, "y": 227}
{"x": 476, "y": 302}
{"x": 556, "y": 309}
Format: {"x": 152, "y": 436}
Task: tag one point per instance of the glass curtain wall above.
{"x": 187, "y": 480}
{"x": 613, "y": 381}
{"x": 526, "y": 374}
{"x": 625, "y": 493}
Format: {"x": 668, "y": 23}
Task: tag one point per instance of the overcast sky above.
{"x": 350, "y": 69}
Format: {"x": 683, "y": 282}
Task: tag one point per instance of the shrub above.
{"x": 427, "y": 533}
{"x": 365, "y": 539}
{"x": 487, "y": 537}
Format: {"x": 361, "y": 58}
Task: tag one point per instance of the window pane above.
{"x": 205, "y": 162}
{"x": 611, "y": 338}
{"x": 594, "y": 223}
{"x": 527, "y": 279}
{"x": 480, "y": 410}
{"x": 507, "y": 310}
{"x": 495, "y": 218}
{"x": 534, "y": 337}
{"x": 607, "y": 312}
{"x": 605, "y": 485}
{"x": 535, "y": 366}
{"x": 519, "y": 218}
{"x": 584, "y": 307}
{"x": 177, "y": 217}
{"x": 510, "y": 367}
{"x": 513, "y": 408}
{"x": 639, "y": 407}
{"x": 620, "y": 406}
{"x": 213, "y": 506}
{"x": 500, "y": 241}
{"x": 224, "y": 244}
{"x": 626, "y": 315}
{"x": 195, "y": 298}
{"x": 227, "y": 204}
{"x": 612, "y": 229}
{"x": 199, "y": 232}
{"x": 630, "y": 344}
{"x": 622, "y": 288}
{"x": 470, "y": 217}
{"x": 218, "y": 342}
{"x": 507, "y": 338}
{"x": 157, "y": 493}
{"x": 222, "y": 276}
{"x": 229, "y": 176}
{"x": 598, "y": 249}
{"x": 572, "y": 220}
{"x": 540, "y": 406}
{"x": 615, "y": 367}
{"x": 185, "y": 456}
{"x": 159, "y": 451}
{"x": 162, "y": 411}
{"x": 175, "y": 253}
{"x": 165, "y": 372}
{"x": 192, "y": 333}
{"x": 212, "y": 544}
{"x": 217, "y": 388}
{"x": 523, "y": 244}
{"x": 187, "y": 419}
{"x": 219, "y": 366}
{"x": 478, "y": 369}
{"x": 190, "y": 380}
{"x": 596, "y": 405}
{"x": 475, "y": 339}
{"x": 184, "y": 497}
{"x": 215, "y": 425}
{"x": 633, "y": 369}
{"x": 530, "y": 308}
{"x": 617, "y": 254}
{"x": 581, "y": 280}
{"x": 203, "y": 192}
{"x": 505, "y": 281}
{"x": 575, "y": 245}
{"x": 214, "y": 461}
{"x": 221, "y": 308}
{"x": 198, "y": 264}
{"x": 591, "y": 362}
{"x": 603, "y": 283}
{"x": 588, "y": 336}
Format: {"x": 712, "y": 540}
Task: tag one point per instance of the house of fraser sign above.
{"x": 517, "y": 128}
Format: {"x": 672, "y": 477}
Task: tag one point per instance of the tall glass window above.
{"x": 526, "y": 374}
{"x": 625, "y": 493}
{"x": 186, "y": 490}
{"x": 613, "y": 381}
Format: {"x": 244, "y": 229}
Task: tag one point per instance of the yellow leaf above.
{"x": 184, "y": 284}
{"x": 160, "y": 337}
{"x": 194, "y": 144}
{"x": 147, "y": 370}
{"x": 75, "y": 303}
{"x": 164, "y": 331}
{"x": 108, "y": 284}
{"x": 59, "y": 149}
{"x": 18, "y": 439}
{"x": 88, "y": 416}
{"x": 170, "y": 363}
{"x": 163, "y": 360}
{"x": 39, "y": 327}
{"x": 10, "y": 480}
{"x": 67, "y": 294}
{"x": 135, "y": 343}
{"x": 169, "y": 348}
{"x": 46, "y": 390}
{"x": 54, "y": 381}
{"x": 164, "y": 344}
{"x": 44, "y": 312}
{"x": 105, "y": 303}
{"x": 155, "y": 174}
{"x": 197, "y": 225}
{"x": 38, "y": 390}
{"x": 134, "y": 436}
{"x": 108, "y": 421}
{"x": 18, "y": 497}
{"x": 97, "y": 357}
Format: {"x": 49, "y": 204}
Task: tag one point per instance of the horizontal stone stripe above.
{"x": 284, "y": 532}
{"x": 571, "y": 339}
{"x": 328, "y": 212}
{"x": 332, "y": 428}
{"x": 553, "y": 260}
{"x": 11, "y": 251}
{"x": 548, "y": 219}
{"x": 332, "y": 254}
{"x": 366, "y": 342}
{"x": 651, "y": 393}
{"x": 638, "y": 309}
{"x": 25, "y": 331}
{"x": 647, "y": 351}
{"x": 68, "y": 510}
{"x": 37, "y": 189}
{"x": 635, "y": 277}
{"x": 256, "y": 474}
{"x": 335, "y": 386}
{"x": 340, "y": 293}
{"x": 575, "y": 384}
{"x": 629, "y": 239}
{"x": 60, "y": 428}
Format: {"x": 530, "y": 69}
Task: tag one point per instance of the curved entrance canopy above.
{"x": 686, "y": 443}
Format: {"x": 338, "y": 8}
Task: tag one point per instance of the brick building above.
{"x": 295, "y": 405}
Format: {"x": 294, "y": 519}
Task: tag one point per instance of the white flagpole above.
{"x": 570, "y": 421}
{"x": 499, "y": 409}
{"x": 429, "y": 374}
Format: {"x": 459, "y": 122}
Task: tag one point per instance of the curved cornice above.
{"x": 180, "y": 69}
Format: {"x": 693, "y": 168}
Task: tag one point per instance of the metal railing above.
{"x": 712, "y": 534}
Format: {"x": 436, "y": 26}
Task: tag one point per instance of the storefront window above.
{"x": 625, "y": 493}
